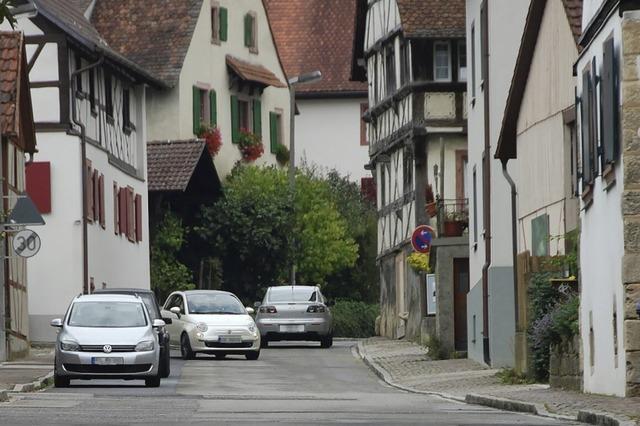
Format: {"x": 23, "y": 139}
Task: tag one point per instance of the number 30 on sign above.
{"x": 26, "y": 243}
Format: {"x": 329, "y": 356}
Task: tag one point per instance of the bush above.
{"x": 354, "y": 318}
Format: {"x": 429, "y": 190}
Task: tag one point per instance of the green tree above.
{"x": 167, "y": 272}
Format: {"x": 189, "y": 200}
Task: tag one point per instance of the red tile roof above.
{"x": 573, "y": 9}
{"x": 316, "y": 35}
{"x": 170, "y": 164}
{"x": 155, "y": 34}
{"x": 252, "y": 72}
{"x": 432, "y": 18}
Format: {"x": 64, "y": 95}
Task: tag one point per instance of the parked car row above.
{"x": 122, "y": 333}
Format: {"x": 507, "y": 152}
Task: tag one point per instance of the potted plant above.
{"x": 419, "y": 262}
{"x": 250, "y": 145}
{"x": 431, "y": 205}
{"x": 282, "y": 154}
{"x": 454, "y": 224}
{"x": 212, "y": 137}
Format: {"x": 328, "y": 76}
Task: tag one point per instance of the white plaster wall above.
{"x": 452, "y": 144}
{"x": 170, "y": 114}
{"x": 601, "y": 251}
{"x": 328, "y": 134}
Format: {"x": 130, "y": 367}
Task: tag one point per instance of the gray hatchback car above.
{"x": 295, "y": 313}
{"x": 107, "y": 337}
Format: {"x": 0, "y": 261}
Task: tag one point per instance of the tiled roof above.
{"x": 573, "y": 9}
{"x": 316, "y": 35}
{"x": 252, "y": 72}
{"x": 71, "y": 20}
{"x": 153, "y": 33}
{"x": 10, "y": 50}
{"x": 81, "y": 5}
{"x": 170, "y": 164}
{"x": 432, "y": 18}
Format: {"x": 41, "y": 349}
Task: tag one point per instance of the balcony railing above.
{"x": 452, "y": 216}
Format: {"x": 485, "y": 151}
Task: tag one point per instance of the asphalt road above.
{"x": 291, "y": 384}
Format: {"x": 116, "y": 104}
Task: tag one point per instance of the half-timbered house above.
{"x": 90, "y": 172}
{"x": 415, "y": 59}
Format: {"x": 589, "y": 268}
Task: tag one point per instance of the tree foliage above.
{"x": 167, "y": 272}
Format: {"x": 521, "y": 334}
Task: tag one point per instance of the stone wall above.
{"x": 565, "y": 365}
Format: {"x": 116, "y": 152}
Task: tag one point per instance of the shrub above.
{"x": 282, "y": 154}
{"x": 354, "y": 318}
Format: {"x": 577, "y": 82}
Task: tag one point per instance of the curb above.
{"x": 4, "y": 396}
{"x": 594, "y": 418}
{"x": 40, "y": 383}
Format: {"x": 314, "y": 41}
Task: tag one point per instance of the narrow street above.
{"x": 293, "y": 384}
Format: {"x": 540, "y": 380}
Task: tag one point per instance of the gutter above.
{"x": 486, "y": 186}
{"x": 83, "y": 149}
{"x": 514, "y": 239}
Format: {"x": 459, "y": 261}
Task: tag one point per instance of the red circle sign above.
{"x": 421, "y": 238}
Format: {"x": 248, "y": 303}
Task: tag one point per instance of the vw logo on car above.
{"x": 106, "y": 349}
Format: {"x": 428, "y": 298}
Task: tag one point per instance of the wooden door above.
{"x": 460, "y": 290}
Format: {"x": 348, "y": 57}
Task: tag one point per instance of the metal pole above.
{"x": 292, "y": 177}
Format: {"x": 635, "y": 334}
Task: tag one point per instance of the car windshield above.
{"x": 151, "y": 305}
{"x": 214, "y": 303}
{"x": 292, "y": 294}
{"x": 107, "y": 314}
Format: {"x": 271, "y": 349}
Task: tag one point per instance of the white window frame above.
{"x": 462, "y": 50}
{"x": 435, "y": 66}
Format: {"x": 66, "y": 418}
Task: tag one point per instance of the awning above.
{"x": 253, "y": 73}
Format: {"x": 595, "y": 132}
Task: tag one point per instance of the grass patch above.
{"x": 509, "y": 376}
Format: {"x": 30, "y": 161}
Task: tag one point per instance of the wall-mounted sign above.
{"x": 421, "y": 238}
{"x": 26, "y": 243}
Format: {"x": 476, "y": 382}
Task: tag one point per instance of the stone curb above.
{"x": 36, "y": 385}
{"x": 594, "y": 418}
{"x": 4, "y": 396}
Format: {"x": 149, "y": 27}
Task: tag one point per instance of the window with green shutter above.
{"x": 257, "y": 118}
{"x": 250, "y": 30}
{"x": 274, "y": 131}
{"x": 223, "y": 23}
{"x": 213, "y": 108}
{"x": 235, "y": 120}
{"x": 196, "y": 110}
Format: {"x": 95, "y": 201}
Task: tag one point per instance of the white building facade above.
{"x": 91, "y": 165}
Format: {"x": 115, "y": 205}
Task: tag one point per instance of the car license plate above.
{"x": 230, "y": 339}
{"x": 292, "y": 328}
{"x": 104, "y": 360}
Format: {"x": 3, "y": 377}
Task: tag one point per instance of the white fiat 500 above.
{"x": 212, "y": 322}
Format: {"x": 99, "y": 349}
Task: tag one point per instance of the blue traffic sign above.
{"x": 422, "y": 238}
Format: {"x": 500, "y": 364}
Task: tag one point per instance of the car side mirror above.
{"x": 256, "y": 305}
{"x": 56, "y": 323}
{"x": 167, "y": 321}
{"x": 250, "y": 311}
{"x": 175, "y": 310}
{"x": 158, "y": 323}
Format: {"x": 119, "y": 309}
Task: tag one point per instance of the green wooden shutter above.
{"x": 257, "y": 118}
{"x": 235, "y": 120}
{"x": 223, "y": 23}
{"x": 273, "y": 131}
{"x": 196, "y": 110}
{"x": 247, "y": 30}
{"x": 213, "y": 108}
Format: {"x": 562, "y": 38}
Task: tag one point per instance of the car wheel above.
{"x": 326, "y": 341}
{"x": 264, "y": 342}
{"x": 60, "y": 382}
{"x": 185, "y": 347}
{"x": 220, "y": 356}
{"x": 152, "y": 382}
{"x": 165, "y": 363}
{"x": 252, "y": 356}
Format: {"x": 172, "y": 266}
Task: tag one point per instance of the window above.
{"x": 363, "y": 125}
{"x": 108, "y": 95}
{"x": 473, "y": 61}
{"x": 275, "y": 130}
{"x": 78, "y": 63}
{"x": 588, "y": 128}
{"x": 475, "y": 208}
{"x": 441, "y": 61}
{"x": 609, "y": 101}
{"x": 484, "y": 43}
{"x": 127, "y": 207}
{"x": 92, "y": 91}
{"x": 540, "y": 235}
{"x": 462, "y": 61}
{"x": 116, "y": 208}
{"x": 246, "y": 114}
{"x": 383, "y": 185}
{"x": 88, "y": 208}
{"x": 205, "y": 109}
{"x": 250, "y": 39}
{"x": 126, "y": 112}
{"x": 390, "y": 69}
{"x": 407, "y": 169}
{"x": 219, "y": 26}
{"x": 405, "y": 63}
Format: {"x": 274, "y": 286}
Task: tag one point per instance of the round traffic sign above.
{"x": 26, "y": 243}
{"x": 421, "y": 238}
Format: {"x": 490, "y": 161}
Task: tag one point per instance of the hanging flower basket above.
{"x": 212, "y": 137}
{"x": 282, "y": 154}
{"x": 250, "y": 145}
{"x": 419, "y": 262}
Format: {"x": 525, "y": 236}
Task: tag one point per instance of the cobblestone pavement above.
{"x": 408, "y": 365}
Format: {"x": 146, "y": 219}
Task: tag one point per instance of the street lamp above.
{"x": 293, "y": 81}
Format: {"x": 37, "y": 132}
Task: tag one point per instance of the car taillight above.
{"x": 268, "y": 310}
{"x": 316, "y": 309}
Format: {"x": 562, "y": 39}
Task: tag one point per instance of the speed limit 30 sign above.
{"x": 26, "y": 243}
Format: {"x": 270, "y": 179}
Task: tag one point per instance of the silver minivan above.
{"x": 107, "y": 337}
{"x": 295, "y": 313}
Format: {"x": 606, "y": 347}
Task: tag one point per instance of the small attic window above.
{"x": 250, "y": 31}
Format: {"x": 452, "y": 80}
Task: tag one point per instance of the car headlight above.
{"x": 69, "y": 345}
{"x": 144, "y": 346}
{"x": 252, "y": 327}
{"x": 202, "y": 327}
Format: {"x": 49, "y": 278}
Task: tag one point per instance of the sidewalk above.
{"x": 27, "y": 374}
{"x": 407, "y": 366}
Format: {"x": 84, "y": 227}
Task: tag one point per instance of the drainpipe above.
{"x": 486, "y": 186}
{"x": 514, "y": 238}
{"x": 83, "y": 154}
